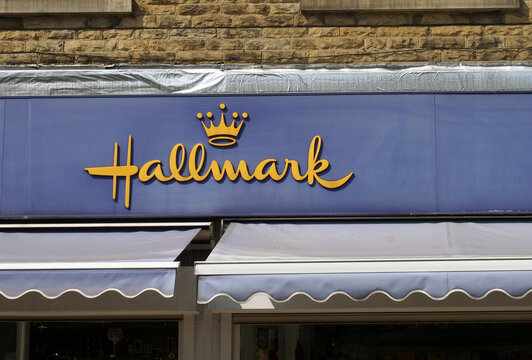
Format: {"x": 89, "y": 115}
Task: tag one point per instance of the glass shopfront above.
{"x": 441, "y": 341}
{"x": 103, "y": 340}
{"x": 8, "y": 340}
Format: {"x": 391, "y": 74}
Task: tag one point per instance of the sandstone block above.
{"x": 211, "y": 21}
{"x": 304, "y": 44}
{"x": 372, "y": 44}
{"x": 357, "y": 31}
{"x": 176, "y": 45}
{"x": 503, "y": 30}
{"x": 56, "y": 59}
{"x": 196, "y": 57}
{"x": 245, "y": 9}
{"x": 169, "y": 21}
{"x": 267, "y": 44}
{"x": 104, "y": 58}
{"x": 339, "y": 57}
{"x": 61, "y": 34}
{"x": 132, "y": 45}
{"x": 284, "y": 57}
{"x": 224, "y": 44}
{"x": 442, "y": 42}
{"x": 341, "y": 43}
{"x": 497, "y": 55}
{"x": 235, "y": 9}
{"x": 160, "y": 9}
{"x": 89, "y": 46}
{"x": 119, "y": 34}
{"x": 21, "y": 34}
{"x": 483, "y": 42}
{"x": 240, "y": 33}
{"x": 324, "y": 32}
{"x": 11, "y": 46}
{"x": 524, "y": 55}
{"x": 400, "y": 43}
{"x": 198, "y": 9}
{"x": 527, "y": 29}
{"x": 242, "y": 57}
{"x": 153, "y": 57}
{"x": 518, "y": 42}
{"x": 192, "y": 33}
{"x": 458, "y": 55}
{"x": 18, "y": 59}
{"x": 90, "y": 34}
{"x": 308, "y": 20}
{"x": 128, "y": 22}
{"x": 456, "y": 30}
{"x": 284, "y": 8}
{"x": 41, "y": 46}
{"x": 257, "y": 20}
{"x": 284, "y": 32}
{"x": 403, "y": 31}
{"x": 151, "y": 34}
{"x": 428, "y": 56}
{"x": 396, "y": 56}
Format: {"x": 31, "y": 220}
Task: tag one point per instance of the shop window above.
{"x": 8, "y": 340}
{"x": 38, "y": 7}
{"x": 407, "y": 5}
{"x": 442, "y": 341}
{"x": 103, "y": 340}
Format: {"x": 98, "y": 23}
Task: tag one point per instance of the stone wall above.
{"x": 276, "y": 32}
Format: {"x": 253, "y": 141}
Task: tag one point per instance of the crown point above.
{"x": 245, "y": 115}
{"x": 222, "y": 106}
{"x": 235, "y": 115}
{"x": 200, "y": 116}
{"x": 209, "y": 114}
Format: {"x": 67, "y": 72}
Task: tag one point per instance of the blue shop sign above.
{"x": 266, "y": 155}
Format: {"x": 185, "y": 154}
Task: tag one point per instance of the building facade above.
{"x": 265, "y": 180}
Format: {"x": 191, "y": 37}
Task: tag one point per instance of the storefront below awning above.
{"x": 90, "y": 263}
{"x": 361, "y": 259}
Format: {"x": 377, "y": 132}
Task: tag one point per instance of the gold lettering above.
{"x": 157, "y": 172}
{"x": 272, "y": 172}
{"x": 196, "y": 162}
{"x": 296, "y": 174}
{"x": 195, "y": 167}
{"x": 115, "y": 171}
{"x": 316, "y": 166}
{"x": 229, "y": 170}
{"x": 174, "y": 168}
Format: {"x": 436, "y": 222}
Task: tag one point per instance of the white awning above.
{"x": 91, "y": 263}
{"x": 360, "y": 259}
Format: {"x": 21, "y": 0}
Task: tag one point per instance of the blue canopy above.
{"x": 360, "y": 259}
{"x": 53, "y": 263}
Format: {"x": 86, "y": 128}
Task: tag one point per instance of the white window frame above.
{"x": 408, "y": 5}
{"x": 42, "y": 7}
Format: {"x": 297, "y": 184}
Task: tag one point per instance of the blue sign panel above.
{"x": 276, "y": 155}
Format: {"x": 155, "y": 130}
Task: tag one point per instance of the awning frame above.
{"x": 363, "y": 266}
{"x": 91, "y": 265}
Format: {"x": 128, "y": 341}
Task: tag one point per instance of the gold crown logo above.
{"x": 222, "y": 135}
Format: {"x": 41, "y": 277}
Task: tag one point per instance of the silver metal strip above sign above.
{"x": 103, "y": 225}
{"x": 186, "y": 80}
